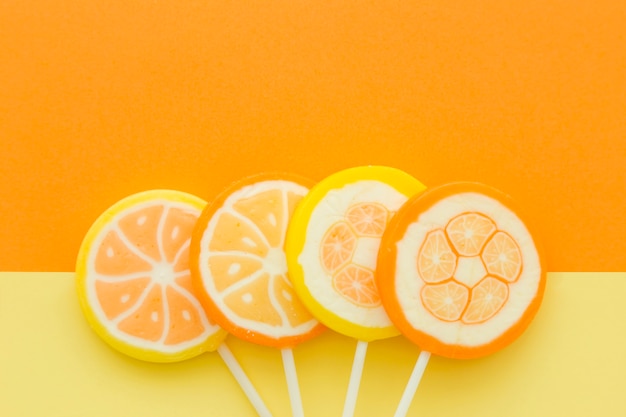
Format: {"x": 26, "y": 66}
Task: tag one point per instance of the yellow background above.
{"x": 570, "y": 362}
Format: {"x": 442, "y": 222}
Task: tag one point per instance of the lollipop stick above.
{"x": 355, "y": 379}
{"x": 292, "y": 383}
{"x": 243, "y": 380}
{"x": 411, "y": 386}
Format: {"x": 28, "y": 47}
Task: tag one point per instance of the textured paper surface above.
{"x": 569, "y": 362}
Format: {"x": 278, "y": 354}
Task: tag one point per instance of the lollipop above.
{"x": 459, "y": 273}
{"x": 238, "y": 265}
{"x": 134, "y": 284}
{"x": 332, "y": 244}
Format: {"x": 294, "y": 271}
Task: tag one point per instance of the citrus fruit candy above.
{"x": 459, "y": 271}
{"x": 332, "y": 245}
{"x": 238, "y": 262}
{"x": 134, "y": 283}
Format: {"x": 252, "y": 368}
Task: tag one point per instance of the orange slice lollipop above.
{"x": 238, "y": 262}
{"x": 459, "y": 271}
{"x": 332, "y": 244}
{"x": 133, "y": 278}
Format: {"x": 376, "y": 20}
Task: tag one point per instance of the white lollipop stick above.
{"x": 292, "y": 382}
{"x": 355, "y": 379}
{"x": 411, "y": 386}
{"x": 243, "y": 380}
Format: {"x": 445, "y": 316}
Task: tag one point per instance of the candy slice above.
{"x": 238, "y": 265}
{"x": 134, "y": 283}
{"x": 459, "y": 273}
{"x": 332, "y": 244}
{"x": 238, "y": 262}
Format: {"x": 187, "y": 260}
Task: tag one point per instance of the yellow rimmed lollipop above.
{"x": 134, "y": 284}
{"x": 332, "y": 245}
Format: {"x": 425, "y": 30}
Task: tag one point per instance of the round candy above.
{"x": 459, "y": 271}
{"x": 238, "y": 262}
{"x": 133, "y": 279}
{"x": 332, "y": 244}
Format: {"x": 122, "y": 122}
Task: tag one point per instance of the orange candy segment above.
{"x": 115, "y": 257}
{"x": 436, "y": 262}
{"x": 488, "y": 297}
{"x": 132, "y": 278}
{"x": 115, "y": 296}
{"x": 238, "y": 262}
{"x": 468, "y": 232}
{"x": 357, "y": 283}
{"x": 143, "y": 226}
{"x": 368, "y": 219}
{"x": 337, "y": 247}
{"x": 479, "y": 277}
{"x": 502, "y": 257}
{"x": 445, "y": 301}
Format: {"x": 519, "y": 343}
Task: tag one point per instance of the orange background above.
{"x": 101, "y": 99}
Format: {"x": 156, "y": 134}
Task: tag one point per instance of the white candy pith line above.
{"x": 165, "y": 304}
{"x": 180, "y": 252}
{"x": 113, "y": 279}
{"x": 242, "y": 282}
{"x": 193, "y": 300}
{"x": 236, "y": 253}
{"x": 160, "y": 236}
{"x": 285, "y": 224}
{"x": 166, "y": 314}
{"x": 131, "y": 246}
{"x": 134, "y": 307}
{"x": 252, "y": 225}
{"x": 164, "y": 300}
{"x": 218, "y": 297}
{"x": 93, "y": 276}
{"x": 274, "y": 300}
